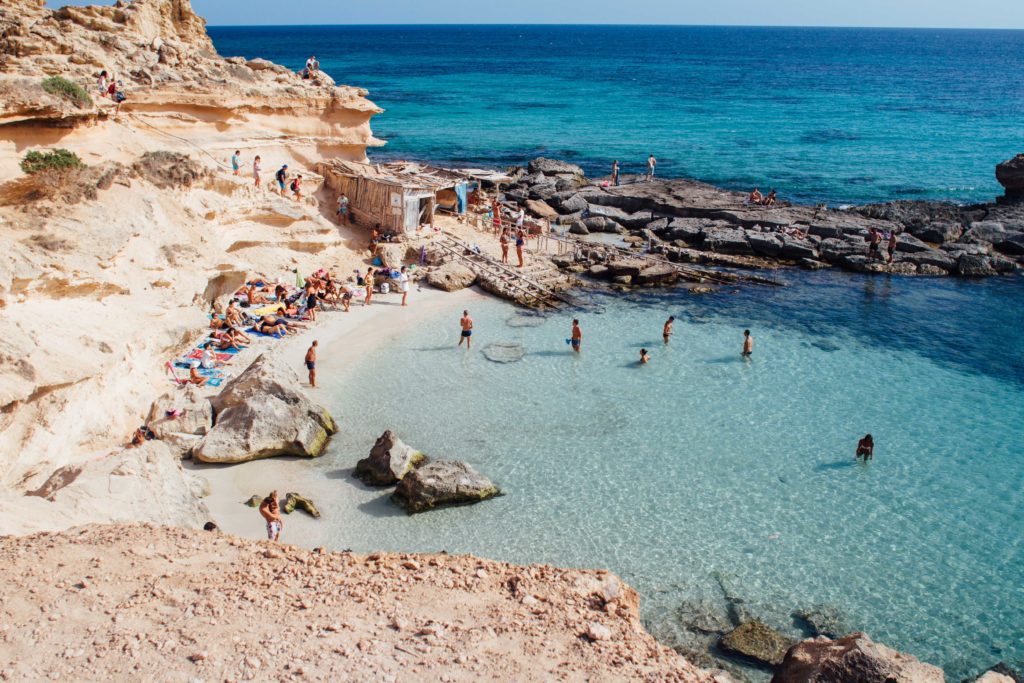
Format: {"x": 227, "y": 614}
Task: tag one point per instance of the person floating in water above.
{"x": 866, "y": 448}
{"x": 576, "y": 341}
{"x": 467, "y": 330}
{"x": 666, "y": 332}
{"x": 748, "y": 344}
{"x": 644, "y": 358}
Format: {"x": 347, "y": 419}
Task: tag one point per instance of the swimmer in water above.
{"x": 644, "y": 358}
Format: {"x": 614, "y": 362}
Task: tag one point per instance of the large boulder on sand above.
{"x": 441, "y": 483}
{"x": 391, "y": 255}
{"x": 451, "y": 277}
{"x": 757, "y": 641}
{"x": 262, "y": 413}
{"x": 182, "y": 410}
{"x": 389, "y": 461}
{"x": 852, "y": 658}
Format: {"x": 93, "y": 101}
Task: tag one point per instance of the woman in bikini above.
{"x": 503, "y": 240}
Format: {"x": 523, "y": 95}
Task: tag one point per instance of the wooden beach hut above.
{"x": 399, "y": 196}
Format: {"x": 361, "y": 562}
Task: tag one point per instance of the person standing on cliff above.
{"x": 270, "y": 508}
{"x": 651, "y": 163}
{"x": 615, "y": 173}
{"x": 874, "y": 239}
{"x": 467, "y": 330}
{"x": 311, "y": 364}
{"x": 891, "y": 248}
{"x": 236, "y": 162}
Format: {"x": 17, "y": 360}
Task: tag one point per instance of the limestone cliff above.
{"x": 108, "y": 272}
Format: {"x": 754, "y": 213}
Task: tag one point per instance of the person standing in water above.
{"x": 666, "y": 332}
{"x": 644, "y": 358}
{"x": 576, "y": 340}
{"x": 311, "y": 364}
{"x": 467, "y": 330}
{"x": 866, "y": 448}
{"x": 748, "y": 344}
{"x": 270, "y": 508}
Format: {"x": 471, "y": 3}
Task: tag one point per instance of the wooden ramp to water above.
{"x": 524, "y": 286}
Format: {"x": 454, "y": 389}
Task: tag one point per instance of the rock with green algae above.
{"x": 442, "y": 483}
{"x": 264, "y": 413}
{"x": 254, "y": 502}
{"x": 757, "y": 641}
{"x": 294, "y": 501}
{"x": 389, "y": 461}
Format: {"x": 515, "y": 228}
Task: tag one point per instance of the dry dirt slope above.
{"x": 142, "y": 602}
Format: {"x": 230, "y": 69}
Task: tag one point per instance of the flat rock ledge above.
{"x": 443, "y": 483}
{"x": 852, "y": 658}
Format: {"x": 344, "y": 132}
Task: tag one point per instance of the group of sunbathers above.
{"x": 756, "y": 197}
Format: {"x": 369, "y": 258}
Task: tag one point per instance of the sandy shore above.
{"x": 344, "y": 338}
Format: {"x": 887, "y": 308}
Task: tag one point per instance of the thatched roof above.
{"x": 405, "y": 174}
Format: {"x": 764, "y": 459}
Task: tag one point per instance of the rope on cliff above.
{"x": 186, "y": 141}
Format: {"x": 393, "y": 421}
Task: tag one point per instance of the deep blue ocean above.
{"x": 699, "y": 469}
{"x": 831, "y": 115}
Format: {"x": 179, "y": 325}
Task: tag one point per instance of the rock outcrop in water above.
{"x": 1010, "y": 175}
{"x": 389, "y": 461}
{"x": 442, "y": 483}
{"x": 852, "y": 658}
{"x": 690, "y": 222}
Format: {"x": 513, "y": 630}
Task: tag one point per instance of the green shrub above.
{"x": 53, "y": 160}
{"x": 72, "y": 92}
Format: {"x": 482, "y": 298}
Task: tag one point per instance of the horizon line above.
{"x": 628, "y": 25}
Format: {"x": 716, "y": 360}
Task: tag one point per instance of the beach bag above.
{"x": 293, "y": 186}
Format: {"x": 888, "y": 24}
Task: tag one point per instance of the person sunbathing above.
{"x": 255, "y": 297}
{"x": 755, "y": 197}
{"x": 280, "y": 293}
{"x": 270, "y": 325}
{"x": 233, "y": 316}
{"x": 195, "y": 378}
{"x": 770, "y": 199}
{"x": 283, "y": 315}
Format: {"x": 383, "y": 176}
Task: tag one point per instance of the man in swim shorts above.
{"x": 270, "y": 508}
{"x": 311, "y": 364}
{"x": 666, "y": 331}
{"x": 576, "y": 341}
{"x": 282, "y": 178}
{"x": 748, "y": 344}
{"x": 467, "y": 330}
{"x": 866, "y": 448}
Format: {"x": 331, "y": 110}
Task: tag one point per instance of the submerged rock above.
{"x": 757, "y": 641}
{"x": 823, "y": 620}
{"x": 504, "y": 352}
{"x": 263, "y": 413}
{"x": 852, "y": 658}
{"x": 293, "y": 502}
{"x": 389, "y": 461}
{"x": 442, "y": 483}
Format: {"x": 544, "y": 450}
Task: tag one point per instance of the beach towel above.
{"x": 252, "y": 330}
{"x": 197, "y": 354}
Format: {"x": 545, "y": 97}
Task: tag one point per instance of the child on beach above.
{"x": 236, "y": 162}
{"x": 256, "y": 171}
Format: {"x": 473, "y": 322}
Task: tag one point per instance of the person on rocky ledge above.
{"x": 755, "y": 197}
{"x": 651, "y": 164}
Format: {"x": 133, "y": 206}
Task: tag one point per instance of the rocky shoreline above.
{"x": 690, "y": 222}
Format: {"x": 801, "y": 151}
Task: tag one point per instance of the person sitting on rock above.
{"x": 770, "y": 199}
{"x": 755, "y": 197}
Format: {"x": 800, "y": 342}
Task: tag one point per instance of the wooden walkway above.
{"x": 531, "y": 291}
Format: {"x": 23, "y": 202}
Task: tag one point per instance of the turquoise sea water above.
{"x": 700, "y": 467}
{"x": 835, "y": 115}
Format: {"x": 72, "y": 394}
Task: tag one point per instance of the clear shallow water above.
{"x": 700, "y": 465}
{"x": 836, "y": 115}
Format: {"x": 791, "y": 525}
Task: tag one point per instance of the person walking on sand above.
{"x": 748, "y": 344}
{"x": 256, "y": 167}
{"x": 520, "y": 242}
{"x": 236, "y": 162}
{"x": 866, "y": 448}
{"x": 503, "y": 241}
{"x": 576, "y": 340}
{"x": 891, "y": 247}
{"x": 403, "y": 283}
{"x": 615, "y": 173}
{"x": 270, "y": 508}
{"x": 666, "y": 331}
{"x": 651, "y": 164}
{"x": 467, "y": 330}
{"x": 368, "y": 280}
{"x": 311, "y": 364}
{"x": 644, "y": 358}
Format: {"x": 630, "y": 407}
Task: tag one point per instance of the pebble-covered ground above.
{"x": 138, "y": 602}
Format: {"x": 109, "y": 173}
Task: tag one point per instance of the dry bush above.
{"x": 169, "y": 169}
{"x": 60, "y": 186}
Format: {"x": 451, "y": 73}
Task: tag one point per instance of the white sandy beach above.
{"x": 344, "y": 339}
